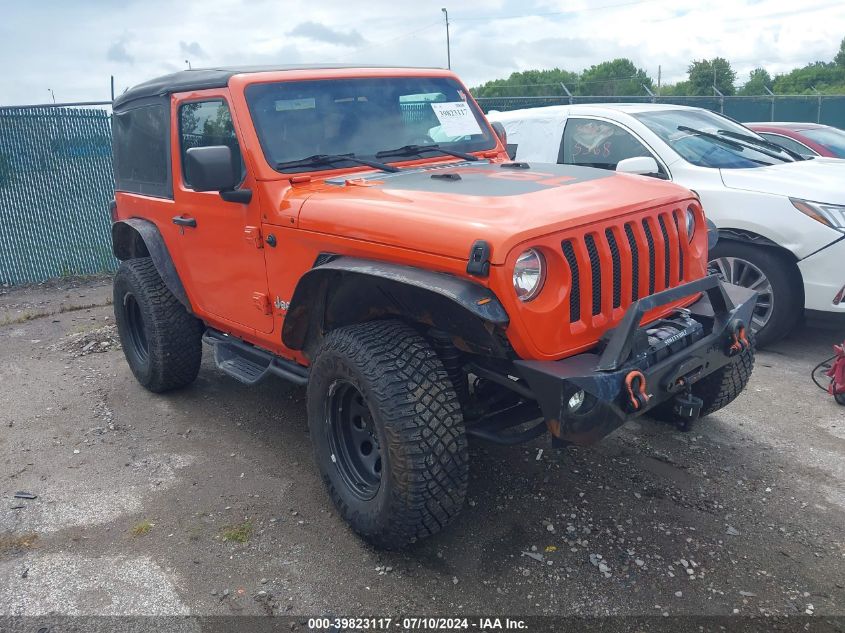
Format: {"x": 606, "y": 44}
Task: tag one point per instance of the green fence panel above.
{"x": 55, "y": 185}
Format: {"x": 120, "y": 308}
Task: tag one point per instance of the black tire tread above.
{"x": 423, "y": 421}
{"x": 174, "y": 336}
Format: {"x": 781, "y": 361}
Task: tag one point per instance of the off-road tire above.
{"x": 785, "y": 279}
{"x": 170, "y": 351}
{"x": 718, "y": 389}
{"x": 415, "y": 417}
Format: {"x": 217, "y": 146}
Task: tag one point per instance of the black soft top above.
{"x": 204, "y": 78}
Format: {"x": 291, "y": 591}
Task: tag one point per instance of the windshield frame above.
{"x": 711, "y": 123}
{"x": 487, "y": 142}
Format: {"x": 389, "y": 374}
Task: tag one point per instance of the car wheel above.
{"x": 775, "y": 279}
{"x": 161, "y": 340}
{"x": 388, "y": 432}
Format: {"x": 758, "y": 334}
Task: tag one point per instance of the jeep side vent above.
{"x": 595, "y": 270}
{"x": 617, "y": 267}
{"x": 650, "y": 239}
{"x": 635, "y": 262}
{"x": 666, "y": 253}
{"x": 575, "y": 290}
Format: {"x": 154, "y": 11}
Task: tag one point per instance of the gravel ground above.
{"x": 206, "y": 501}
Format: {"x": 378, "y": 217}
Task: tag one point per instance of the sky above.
{"x": 73, "y": 47}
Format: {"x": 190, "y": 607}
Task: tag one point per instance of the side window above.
{"x": 789, "y": 144}
{"x": 595, "y": 143}
{"x": 206, "y": 123}
{"x": 141, "y": 155}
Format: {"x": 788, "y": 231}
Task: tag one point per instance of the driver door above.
{"x": 220, "y": 244}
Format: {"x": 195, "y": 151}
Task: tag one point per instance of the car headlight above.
{"x": 832, "y": 215}
{"x": 690, "y": 220}
{"x": 529, "y": 274}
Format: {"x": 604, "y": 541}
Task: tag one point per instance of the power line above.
{"x": 397, "y": 38}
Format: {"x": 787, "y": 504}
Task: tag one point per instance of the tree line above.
{"x": 622, "y": 77}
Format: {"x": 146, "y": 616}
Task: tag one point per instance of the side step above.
{"x": 249, "y": 364}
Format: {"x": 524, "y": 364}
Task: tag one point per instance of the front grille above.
{"x": 663, "y": 257}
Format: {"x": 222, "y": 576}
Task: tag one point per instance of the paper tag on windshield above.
{"x": 456, "y": 118}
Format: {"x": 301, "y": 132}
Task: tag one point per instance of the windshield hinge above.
{"x": 298, "y": 179}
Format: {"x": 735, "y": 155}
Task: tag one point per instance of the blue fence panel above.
{"x": 55, "y": 185}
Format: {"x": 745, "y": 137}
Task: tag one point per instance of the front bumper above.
{"x": 667, "y": 370}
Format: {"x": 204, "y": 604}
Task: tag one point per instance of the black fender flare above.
{"x": 346, "y": 290}
{"x": 135, "y": 237}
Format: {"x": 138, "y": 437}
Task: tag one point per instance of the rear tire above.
{"x": 388, "y": 432}
{"x": 718, "y": 389}
{"x": 162, "y": 342}
{"x": 781, "y": 301}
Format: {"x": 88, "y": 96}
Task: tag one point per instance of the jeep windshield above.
{"x": 366, "y": 119}
{"x": 706, "y": 139}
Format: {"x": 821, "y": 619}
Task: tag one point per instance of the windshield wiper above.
{"x": 762, "y": 143}
{"x": 410, "y": 150}
{"x": 328, "y": 159}
{"x": 728, "y": 142}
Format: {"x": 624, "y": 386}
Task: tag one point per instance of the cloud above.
{"x": 192, "y": 49}
{"x": 322, "y": 33}
{"x": 117, "y": 52}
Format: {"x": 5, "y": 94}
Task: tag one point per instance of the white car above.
{"x": 781, "y": 219}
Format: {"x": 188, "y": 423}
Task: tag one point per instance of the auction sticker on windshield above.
{"x": 456, "y": 118}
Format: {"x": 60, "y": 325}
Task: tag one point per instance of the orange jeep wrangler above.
{"x": 362, "y": 231}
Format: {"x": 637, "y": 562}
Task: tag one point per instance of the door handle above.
{"x": 182, "y": 221}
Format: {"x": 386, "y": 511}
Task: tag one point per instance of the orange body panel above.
{"x": 413, "y": 220}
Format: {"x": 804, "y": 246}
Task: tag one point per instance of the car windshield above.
{"x": 830, "y": 137}
{"x": 362, "y": 117}
{"x": 718, "y": 145}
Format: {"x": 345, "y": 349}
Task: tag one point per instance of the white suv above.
{"x": 781, "y": 219}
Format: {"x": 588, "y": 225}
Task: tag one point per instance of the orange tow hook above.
{"x": 739, "y": 339}
{"x": 637, "y": 395}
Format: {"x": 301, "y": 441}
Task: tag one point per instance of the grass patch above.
{"x": 12, "y": 543}
{"x": 238, "y": 533}
{"x": 142, "y": 528}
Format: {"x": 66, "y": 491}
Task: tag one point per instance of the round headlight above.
{"x": 690, "y": 219}
{"x": 529, "y": 273}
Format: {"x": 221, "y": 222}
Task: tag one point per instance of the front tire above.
{"x": 780, "y": 301}
{"x": 161, "y": 340}
{"x": 388, "y": 432}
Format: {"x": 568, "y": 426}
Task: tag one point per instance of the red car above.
{"x": 808, "y": 139}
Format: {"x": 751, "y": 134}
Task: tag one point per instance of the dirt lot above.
{"x": 206, "y": 501}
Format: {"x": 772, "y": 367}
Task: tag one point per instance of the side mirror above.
{"x": 642, "y": 165}
{"x": 712, "y": 235}
{"x": 500, "y": 131}
{"x": 211, "y": 168}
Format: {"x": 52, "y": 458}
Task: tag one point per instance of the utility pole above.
{"x": 188, "y": 62}
{"x": 53, "y": 94}
{"x": 112, "y": 87}
{"x": 448, "y": 48}
{"x": 659, "y": 77}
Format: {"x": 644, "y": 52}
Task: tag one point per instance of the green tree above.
{"x": 758, "y": 80}
{"x": 680, "y": 89}
{"x": 530, "y": 83}
{"x": 823, "y": 76}
{"x": 707, "y": 72}
{"x": 616, "y": 77}
{"x": 839, "y": 60}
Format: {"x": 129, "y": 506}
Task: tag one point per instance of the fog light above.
{"x": 576, "y": 401}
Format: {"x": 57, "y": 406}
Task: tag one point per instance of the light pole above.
{"x": 188, "y": 62}
{"x": 52, "y": 94}
{"x": 448, "y": 49}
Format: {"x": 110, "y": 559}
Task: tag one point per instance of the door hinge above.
{"x": 262, "y": 302}
{"x": 252, "y": 234}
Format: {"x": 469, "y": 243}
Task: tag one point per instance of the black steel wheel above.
{"x": 354, "y": 443}
{"x": 388, "y": 432}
